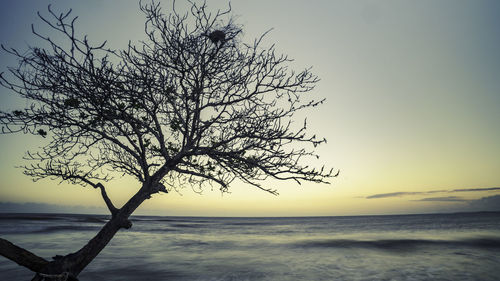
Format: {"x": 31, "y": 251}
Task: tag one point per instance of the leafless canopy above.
{"x": 175, "y": 109}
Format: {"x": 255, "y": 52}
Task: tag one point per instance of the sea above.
{"x": 461, "y": 246}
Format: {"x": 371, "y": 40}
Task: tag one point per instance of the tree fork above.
{"x": 76, "y": 262}
{"x": 72, "y": 264}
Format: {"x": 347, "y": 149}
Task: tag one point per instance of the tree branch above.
{"x": 21, "y": 256}
{"x": 108, "y": 202}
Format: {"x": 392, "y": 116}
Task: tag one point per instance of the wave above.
{"x": 401, "y": 244}
{"x": 92, "y": 220}
{"x": 181, "y": 225}
{"x": 154, "y": 230}
{"x": 60, "y": 228}
{"x": 249, "y": 223}
{"x": 171, "y": 219}
{"x": 133, "y": 272}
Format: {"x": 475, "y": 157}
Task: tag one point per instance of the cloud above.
{"x": 401, "y": 194}
{"x": 444, "y": 199}
{"x": 392, "y": 194}
{"x": 490, "y": 203}
{"x": 476, "y": 189}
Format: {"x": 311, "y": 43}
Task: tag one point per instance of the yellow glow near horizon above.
{"x": 412, "y": 105}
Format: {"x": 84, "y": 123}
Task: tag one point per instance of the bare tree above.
{"x": 191, "y": 105}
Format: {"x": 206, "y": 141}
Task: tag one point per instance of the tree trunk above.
{"x": 79, "y": 260}
{"x": 68, "y": 267}
{"x": 21, "y": 256}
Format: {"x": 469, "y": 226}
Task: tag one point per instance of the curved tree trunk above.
{"x": 68, "y": 267}
{"x": 79, "y": 260}
{"x": 74, "y": 263}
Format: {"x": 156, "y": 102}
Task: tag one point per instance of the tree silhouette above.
{"x": 180, "y": 108}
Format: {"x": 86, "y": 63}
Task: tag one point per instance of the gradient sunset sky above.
{"x": 412, "y": 116}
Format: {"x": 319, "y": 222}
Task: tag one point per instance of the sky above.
{"x": 412, "y": 111}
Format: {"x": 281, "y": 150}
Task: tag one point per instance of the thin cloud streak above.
{"x": 401, "y": 194}
{"x": 476, "y": 189}
{"x": 444, "y": 199}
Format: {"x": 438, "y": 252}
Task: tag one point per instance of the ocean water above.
{"x": 407, "y": 247}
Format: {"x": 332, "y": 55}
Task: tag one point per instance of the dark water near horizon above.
{"x": 405, "y": 247}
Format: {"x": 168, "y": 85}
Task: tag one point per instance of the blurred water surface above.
{"x": 406, "y": 247}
